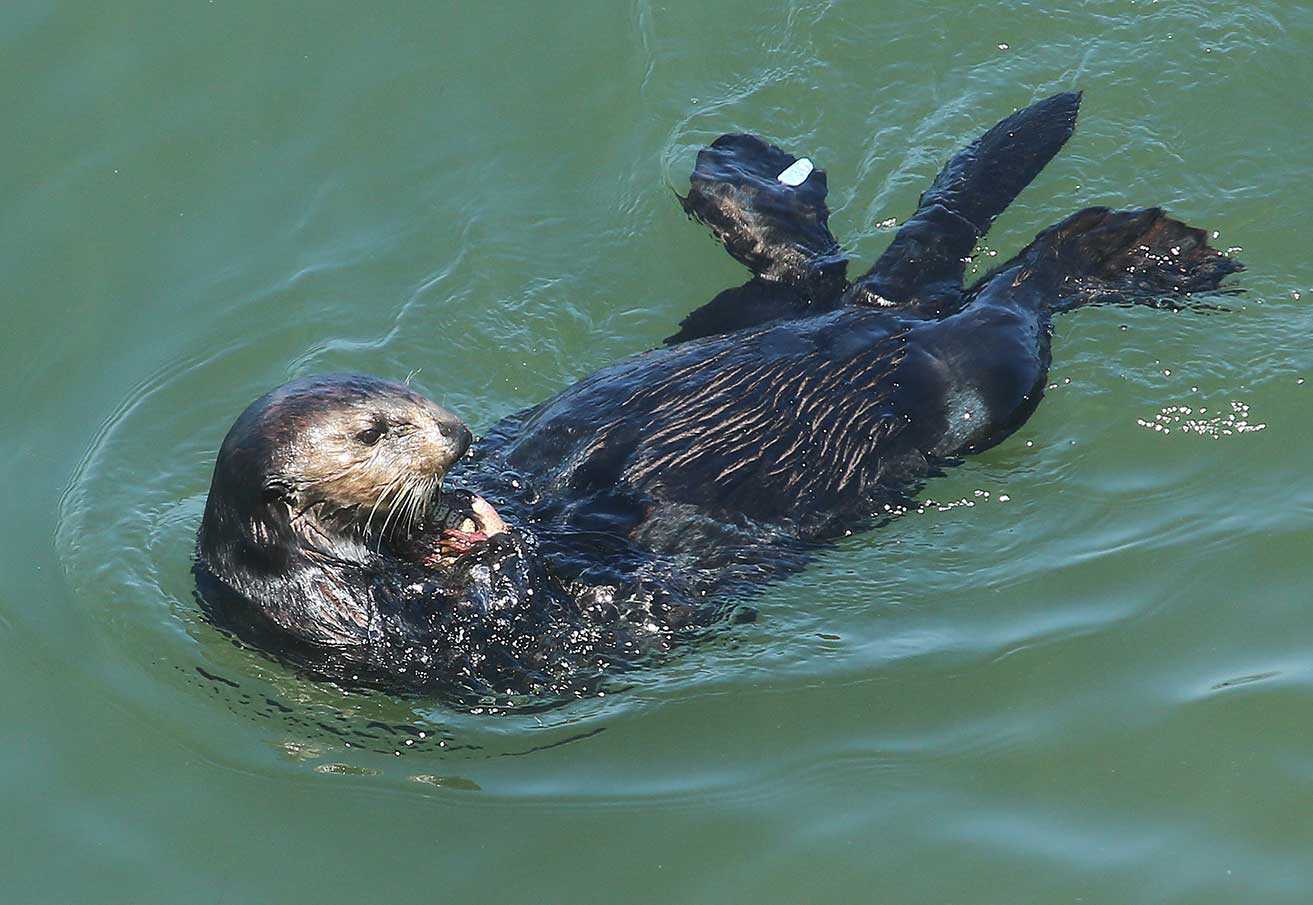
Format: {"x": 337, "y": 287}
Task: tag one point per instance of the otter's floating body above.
{"x": 786, "y": 411}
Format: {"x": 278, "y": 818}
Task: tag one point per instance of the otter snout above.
{"x": 447, "y": 436}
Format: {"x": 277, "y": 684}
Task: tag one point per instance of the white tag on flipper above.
{"x": 797, "y": 172}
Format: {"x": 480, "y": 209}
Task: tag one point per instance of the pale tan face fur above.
{"x": 364, "y": 458}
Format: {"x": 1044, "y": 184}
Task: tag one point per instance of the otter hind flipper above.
{"x": 768, "y": 209}
{"x": 924, "y": 264}
{"x": 1143, "y": 257}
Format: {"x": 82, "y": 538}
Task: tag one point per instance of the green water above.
{"x": 1095, "y": 690}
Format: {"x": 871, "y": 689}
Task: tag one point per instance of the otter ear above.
{"x": 275, "y": 490}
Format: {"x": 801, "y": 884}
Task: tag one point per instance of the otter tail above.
{"x": 1142, "y": 257}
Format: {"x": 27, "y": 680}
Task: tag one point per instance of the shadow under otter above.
{"x": 646, "y": 498}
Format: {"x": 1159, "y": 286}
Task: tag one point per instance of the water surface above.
{"x": 1080, "y": 675}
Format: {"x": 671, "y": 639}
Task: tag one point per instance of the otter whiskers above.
{"x": 391, "y": 485}
{"x": 410, "y": 502}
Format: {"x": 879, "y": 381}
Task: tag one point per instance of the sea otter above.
{"x": 627, "y": 511}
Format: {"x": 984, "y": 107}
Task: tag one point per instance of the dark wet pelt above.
{"x": 1079, "y": 673}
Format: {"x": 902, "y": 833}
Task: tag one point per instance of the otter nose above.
{"x": 460, "y": 437}
{"x": 450, "y": 433}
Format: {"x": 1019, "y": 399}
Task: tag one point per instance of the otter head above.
{"x": 322, "y": 464}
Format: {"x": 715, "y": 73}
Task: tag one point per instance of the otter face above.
{"x": 345, "y": 453}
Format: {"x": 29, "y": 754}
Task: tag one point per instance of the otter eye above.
{"x": 371, "y": 435}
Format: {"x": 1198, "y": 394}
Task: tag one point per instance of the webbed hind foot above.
{"x": 1141, "y": 257}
